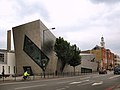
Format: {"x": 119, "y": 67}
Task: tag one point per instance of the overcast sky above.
{"x": 80, "y": 22}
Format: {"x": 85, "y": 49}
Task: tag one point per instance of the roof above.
{"x": 96, "y": 47}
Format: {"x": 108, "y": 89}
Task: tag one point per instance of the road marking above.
{"x": 80, "y": 82}
{"x": 99, "y": 83}
{"x": 29, "y": 87}
{"x": 114, "y": 76}
{"x": 85, "y": 83}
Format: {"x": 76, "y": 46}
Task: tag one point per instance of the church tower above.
{"x": 102, "y": 43}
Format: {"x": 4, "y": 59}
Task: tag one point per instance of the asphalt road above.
{"x": 87, "y": 82}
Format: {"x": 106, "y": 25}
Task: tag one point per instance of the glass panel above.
{"x": 35, "y": 53}
{"x": 1, "y": 57}
{"x": 8, "y": 69}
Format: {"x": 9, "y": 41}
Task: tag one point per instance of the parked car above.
{"x": 117, "y": 70}
{"x": 102, "y": 71}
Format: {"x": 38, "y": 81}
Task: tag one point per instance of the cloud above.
{"x": 27, "y": 8}
{"x": 21, "y": 11}
{"x": 81, "y": 22}
{"x": 3, "y": 38}
{"x": 106, "y": 1}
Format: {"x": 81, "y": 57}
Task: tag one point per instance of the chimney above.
{"x": 9, "y": 40}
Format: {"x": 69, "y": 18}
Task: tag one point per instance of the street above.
{"x": 85, "y": 82}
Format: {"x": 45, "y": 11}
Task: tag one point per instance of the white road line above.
{"x": 80, "y": 82}
{"x": 114, "y": 76}
{"x": 29, "y": 87}
{"x": 75, "y": 82}
{"x": 98, "y": 83}
{"x": 85, "y": 83}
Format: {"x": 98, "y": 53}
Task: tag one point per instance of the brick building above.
{"x": 104, "y": 57}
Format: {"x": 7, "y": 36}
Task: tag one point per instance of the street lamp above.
{"x": 44, "y": 60}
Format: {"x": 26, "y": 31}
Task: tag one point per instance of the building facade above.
{"x": 33, "y": 44}
{"x": 33, "y": 51}
{"x": 110, "y": 59}
{"x": 7, "y": 62}
{"x": 7, "y": 58}
{"x": 88, "y": 64}
{"x": 104, "y": 57}
{"x": 117, "y": 60}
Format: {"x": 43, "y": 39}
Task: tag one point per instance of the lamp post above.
{"x": 44, "y": 66}
{"x": 44, "y": 60}
{"x": 3, "y": 73}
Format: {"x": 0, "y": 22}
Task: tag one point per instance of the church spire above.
{"x": 102, "y": 42}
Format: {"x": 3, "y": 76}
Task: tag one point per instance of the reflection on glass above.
{"x": 34, "y": 52}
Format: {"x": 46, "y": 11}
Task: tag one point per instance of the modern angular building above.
{"x": 33, "y": 44}
{"x": 33, "y": 51}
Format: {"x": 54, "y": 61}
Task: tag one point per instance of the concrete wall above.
{"x": 34, "y": 30}
{"x": 86, "y": 62}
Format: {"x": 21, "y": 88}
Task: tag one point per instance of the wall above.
{"x": 33, "y": 30}
{"x": 10, "y": 64}
{"x": 87, "y": 61}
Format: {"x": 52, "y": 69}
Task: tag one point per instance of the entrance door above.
{"x": 29, "y": 69}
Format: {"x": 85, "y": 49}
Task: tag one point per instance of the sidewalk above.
{"x": 10, "y": 79}
{"x": 20, "y": 78}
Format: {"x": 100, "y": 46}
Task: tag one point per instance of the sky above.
{"x": 80, "y": 22}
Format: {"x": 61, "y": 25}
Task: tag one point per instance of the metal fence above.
{"x": 42, "y": 76}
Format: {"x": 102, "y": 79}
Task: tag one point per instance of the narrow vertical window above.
{"x": 1, "y": 57}
{"x": 8, "y": 69}
{"x": 14, "y": 69}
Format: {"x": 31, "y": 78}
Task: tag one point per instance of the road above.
{"x": 87, "y": 82}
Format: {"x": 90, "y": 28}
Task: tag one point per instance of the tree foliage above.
{"x": 62, "y": 51}
{"x": 66, "y": 53}
{"x": 76, "y": 59}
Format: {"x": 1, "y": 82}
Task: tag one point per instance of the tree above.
{"x": 76, "y": 58}
{"x": 67, "y": 54}
{"x": 62, "y": 49}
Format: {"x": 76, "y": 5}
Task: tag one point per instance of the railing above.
{"x": 40, "y": 76}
